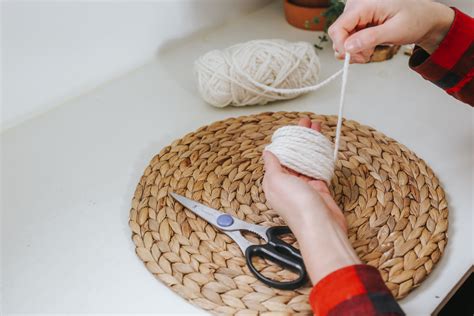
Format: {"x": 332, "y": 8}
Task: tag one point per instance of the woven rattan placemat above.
{"x": 395, "y": 208}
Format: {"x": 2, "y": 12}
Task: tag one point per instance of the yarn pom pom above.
{"x": 239, "y": 74}
{"x": 304, "y": 150}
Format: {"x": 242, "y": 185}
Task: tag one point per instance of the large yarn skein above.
{"x": 239, "y": 75}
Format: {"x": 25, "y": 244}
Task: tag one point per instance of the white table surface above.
{"x": 68, "y": 176}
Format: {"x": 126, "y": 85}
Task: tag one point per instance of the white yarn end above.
{"x": 305, "y": 151}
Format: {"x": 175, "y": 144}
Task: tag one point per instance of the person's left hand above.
{"x": 313, "y": 216}
{"x": 297, "y": 198}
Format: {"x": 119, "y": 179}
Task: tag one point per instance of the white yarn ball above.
{"x": 304, "y": 150}
{"x": 238, "y": 75}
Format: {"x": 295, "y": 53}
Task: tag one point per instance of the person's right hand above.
{"x": 367, "y": 23}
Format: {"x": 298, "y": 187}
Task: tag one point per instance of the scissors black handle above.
{"x": 281, "y": 253}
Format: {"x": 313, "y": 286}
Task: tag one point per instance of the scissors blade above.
{"x": 210, "y": 215}
{"x": 207, "y": 213}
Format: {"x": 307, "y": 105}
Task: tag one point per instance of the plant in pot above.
{"x": 333, "y": 11}
{"x": 301, "y": 13}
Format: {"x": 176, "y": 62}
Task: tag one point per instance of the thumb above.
{"x": 319, "y": 186}
{"x": 340, "y": 30}
{"x": 368, "y": 38}
{"x": 271, "y": 162}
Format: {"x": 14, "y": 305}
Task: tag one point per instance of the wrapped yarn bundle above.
{"x": 244, "y": 74}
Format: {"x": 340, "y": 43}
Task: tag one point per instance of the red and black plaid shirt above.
{"x": 359, "y": 289}
{"x": 451, "y": 66}
{"x": 353, "y": 290}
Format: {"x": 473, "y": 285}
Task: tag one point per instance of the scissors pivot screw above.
{"x": 225, "y": 220}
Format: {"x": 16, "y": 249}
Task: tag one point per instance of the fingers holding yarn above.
{"x": 316, "y": 126}
{"x": 306, "y": 122}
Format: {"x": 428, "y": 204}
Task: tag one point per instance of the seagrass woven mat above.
{"x": 394, "y": 205}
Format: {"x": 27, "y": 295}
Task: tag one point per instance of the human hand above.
{"x": 313, "y": 216}
{"x": 367, "y": 23}
{"x": 291, "y": 194}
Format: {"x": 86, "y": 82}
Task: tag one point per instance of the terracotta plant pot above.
{"x": 306, "y": 18}
{"x": 311, "y": 3}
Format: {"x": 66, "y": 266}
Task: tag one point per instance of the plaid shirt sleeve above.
{"x": 353, "y": 290}
{"x": 451, "y": 66}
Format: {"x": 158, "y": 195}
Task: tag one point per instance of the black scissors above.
{"x": 275, "y": 250}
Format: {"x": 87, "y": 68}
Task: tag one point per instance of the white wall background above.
{"x": 55, "y": 50}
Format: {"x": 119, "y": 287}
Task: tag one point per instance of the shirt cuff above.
{"x": 438, "y": 66}
{"x": 354, "y": 288}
